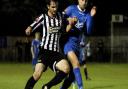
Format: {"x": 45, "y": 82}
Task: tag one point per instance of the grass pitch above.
{"x": 104, "y": 76}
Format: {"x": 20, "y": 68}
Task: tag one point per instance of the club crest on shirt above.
{"x": 54, "y": 29}
{"x": 79, "y": 24}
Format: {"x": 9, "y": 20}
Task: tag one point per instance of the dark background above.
{"x": 16, "y": 15}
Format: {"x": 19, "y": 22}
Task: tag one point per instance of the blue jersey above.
{"x": 84, "y": 19}
{"x": 35, "y": 44}
{"x": 84, "y": 24}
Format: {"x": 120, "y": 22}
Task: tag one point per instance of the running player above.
{"x": 85, "y": 53}
{"x": 35, "y": 48}
{"x": 49, "y": 53}
{"x": 72, "y": 46}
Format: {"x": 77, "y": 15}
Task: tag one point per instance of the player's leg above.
{"x": 62, "y": 70}
{"x": 39, "y": 68}
{"x": 82, "y": 60}
{"x": 82, "y": 54}
{"x": 69, "y": 79}
{"x": 58, "y": 65}
{"x": 86, "y": 71}
{"x": 76, "y": 68}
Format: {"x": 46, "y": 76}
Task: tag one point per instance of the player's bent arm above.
{"x": 71, "y": 23}
{"x": 68, "y": 28}
{"x": 34, "y": 25}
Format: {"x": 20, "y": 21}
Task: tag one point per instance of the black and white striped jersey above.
{"x": 51, "y": 30}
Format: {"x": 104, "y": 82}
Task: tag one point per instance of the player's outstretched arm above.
{"x": 28, "y": 31}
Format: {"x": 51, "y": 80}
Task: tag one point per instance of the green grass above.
{"x": 104, "y": 76}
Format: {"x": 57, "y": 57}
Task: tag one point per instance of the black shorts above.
{"x": 49, "y": 58}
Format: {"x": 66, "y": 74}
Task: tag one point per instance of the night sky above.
{"x": 16, "y": 15}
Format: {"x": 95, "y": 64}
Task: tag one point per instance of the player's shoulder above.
{"x": 33, "y": 42}
{"x": 39, "y": 17}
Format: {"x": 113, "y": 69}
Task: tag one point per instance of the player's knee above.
{"x": 63, "y": 66}
{"x": 37, "y": 75}
{"x": 66, "y": 69}
{"x": 75, "y": 64}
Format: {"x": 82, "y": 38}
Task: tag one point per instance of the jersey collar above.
{"x": 80, "y": 8}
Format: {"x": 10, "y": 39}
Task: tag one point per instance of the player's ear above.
{"x": 48, "y": 6}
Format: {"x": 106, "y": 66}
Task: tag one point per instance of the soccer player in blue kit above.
{"x": 72, "y": 47}
{"x": 35, "y": 48}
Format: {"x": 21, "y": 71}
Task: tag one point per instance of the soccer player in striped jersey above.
{"x": 72, "y": 46}
{"x": 35, "y": 48}
{"x": 49, "y": 53}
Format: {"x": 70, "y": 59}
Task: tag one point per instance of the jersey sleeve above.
{"x": 68, "y": 11}
{"x": 64, "y": 23}
{"x": 89, "y": 24}
{"x": 37, "y": 22}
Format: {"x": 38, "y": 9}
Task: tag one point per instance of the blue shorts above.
{"x": 72, "y": 45}
{"x": 34, "y": 61}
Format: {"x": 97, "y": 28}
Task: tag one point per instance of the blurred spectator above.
{"x": 35, "y": 48}
{"x": 18, "y": 45}
{"x": 27, "y": 45}
{"x": 3, "y": 42}
{"x": 100, "y": 50}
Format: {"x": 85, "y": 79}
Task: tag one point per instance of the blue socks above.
{"x": 78, "y": 77}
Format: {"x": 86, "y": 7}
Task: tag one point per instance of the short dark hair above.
{"x": 48, "y": 1}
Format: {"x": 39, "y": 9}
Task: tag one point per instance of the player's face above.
{"x": 52, "y": 8}
{"x": 82, "y": 3}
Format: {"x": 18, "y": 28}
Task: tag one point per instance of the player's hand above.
{"x": 72, "y": 20}
{"x": 28, "y": 31}
{"x": 93, "y": 11}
